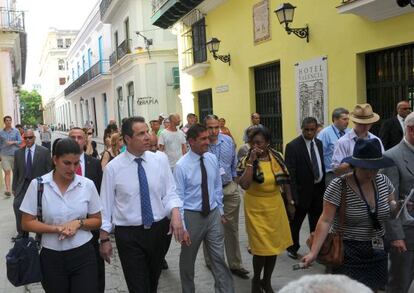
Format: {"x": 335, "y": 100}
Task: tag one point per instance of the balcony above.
{"x": 103, "y": 7}
{"x": 374, "y": 10}
{"x": 168, "y": 12}
{"x": 11, "y": 20}
{"x": 123, "y": 49}
{"x": 97, "y": 69}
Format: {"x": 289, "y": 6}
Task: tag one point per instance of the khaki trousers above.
{"x": 231, "y": 202}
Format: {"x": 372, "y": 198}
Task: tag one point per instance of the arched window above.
{"x": 131, "y": 91}
{"x": 61, "y": 64}
{"x": 120, "y": 104}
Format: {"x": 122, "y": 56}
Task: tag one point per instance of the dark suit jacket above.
{"x": 41, "y": 165}
{"x": 93, "y": 171}
{"x": 300, "y": 168}
{"x": 391, "y": 133}
{"x": 402, "y": 177}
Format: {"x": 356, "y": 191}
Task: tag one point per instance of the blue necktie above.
{"x": 146, "y": 209}
{"x": 28, "y": 173}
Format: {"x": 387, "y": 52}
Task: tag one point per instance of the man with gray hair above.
{"x": 325, "y": 284}
{"x": 330, "y": 135}
{"x": 401, "y": 231}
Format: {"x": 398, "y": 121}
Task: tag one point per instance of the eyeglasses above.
{"x": 28, "y": 137}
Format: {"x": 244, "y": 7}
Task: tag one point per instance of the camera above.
{"x": 403, "y": 3}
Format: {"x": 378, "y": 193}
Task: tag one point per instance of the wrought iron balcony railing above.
{"x": 123, "y": 49}
{"x": 103, "y": 7}
{"x": 12, "y": 20}
{"x": 157, "y": 4}
{"x": 98, "y": 68}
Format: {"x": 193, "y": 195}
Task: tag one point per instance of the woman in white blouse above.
{"x": 70, "y": 208}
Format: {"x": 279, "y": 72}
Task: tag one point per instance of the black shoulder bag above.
{"x": 23, "y": 260}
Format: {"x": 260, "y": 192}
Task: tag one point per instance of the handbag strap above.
{"x": 40, "y": 187}
{"x": 342, "y": 207}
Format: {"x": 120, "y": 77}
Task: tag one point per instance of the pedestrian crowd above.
{"x": 156, "y": 181}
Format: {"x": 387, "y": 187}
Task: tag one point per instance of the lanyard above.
{"x": 373, "y": 214}
{"x": 337, "y": 134}
{"x": 218, "y": 156}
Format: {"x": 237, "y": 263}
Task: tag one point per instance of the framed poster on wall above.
{"x": 261, "y": 25}
{"x": 312, "y": 90}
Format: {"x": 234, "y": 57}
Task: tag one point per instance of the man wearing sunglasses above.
{"x": 30, "y": 162}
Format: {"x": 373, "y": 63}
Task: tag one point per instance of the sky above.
{"x": 42, "y": 14}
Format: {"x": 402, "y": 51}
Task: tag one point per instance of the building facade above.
{"x": 143, "y": 62}
{"x": 13, "y": 52}
{"x": 53, "y": 74}
{"x": 89, "y": 91}
{"x": 357, "y": 51}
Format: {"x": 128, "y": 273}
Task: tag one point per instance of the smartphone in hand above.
{"x": 299, "y": 266}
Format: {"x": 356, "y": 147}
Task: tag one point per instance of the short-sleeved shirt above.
{"x": 79, "y": 200}
{"x": 358, "y": 224}
{"x": 172, "y": 142}
{"x": 9, "y": 135}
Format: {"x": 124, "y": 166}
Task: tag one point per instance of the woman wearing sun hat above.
{"x": 363, "y": 117}
{"x": 369, "y": 201}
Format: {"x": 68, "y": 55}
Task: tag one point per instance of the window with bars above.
{"x": 268, "y": 101}
{"x": 194, "y": 43}
{"x": 389, "y": 79}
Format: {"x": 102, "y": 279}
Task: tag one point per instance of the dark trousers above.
{"x": 99, "y": 261}
{"x": 17, "y": 201}
{"x": 141, "y": 252}
{"x": 46, "y": 144}
{"x": 70, "y": 271}
{"x": 313, "y": 211}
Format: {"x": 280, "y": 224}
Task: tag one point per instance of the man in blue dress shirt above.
{"x": 198, "y": 180}
{"x": 330, "y": 135}
{"x": 223, "y": 147}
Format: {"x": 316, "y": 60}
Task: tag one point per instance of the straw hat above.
{"x": 363, "y": 114}
{"x": 368, "y": 155}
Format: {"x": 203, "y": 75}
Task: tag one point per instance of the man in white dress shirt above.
{"x": 138, "y": 195}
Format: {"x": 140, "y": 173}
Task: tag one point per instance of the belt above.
{"x": 224, "y": 185}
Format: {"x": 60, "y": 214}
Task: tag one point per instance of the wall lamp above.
{"x": 213, "y": 46}
{"x": 285, "y": 14}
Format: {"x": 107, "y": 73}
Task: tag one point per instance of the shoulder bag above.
{"x": 23, "y": 260}
{"x": 332, "y": 252}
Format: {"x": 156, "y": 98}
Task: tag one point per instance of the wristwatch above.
{"x": 104, "y": 240}
{"x": 81, "y": 223}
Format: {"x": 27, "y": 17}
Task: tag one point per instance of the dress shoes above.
{"x": 241, "y": 273}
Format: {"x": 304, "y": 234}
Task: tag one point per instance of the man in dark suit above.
{"x": 304, "y": 159}
{"x": 30, "y": 162}
{"x": 400, "y": 231}
{"x": 90, "y": 168}
{"x": 392, "y": 130}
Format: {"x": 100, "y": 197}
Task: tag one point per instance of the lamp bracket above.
{"x": 222, "y": 58}
{"x": 302, "y": 32}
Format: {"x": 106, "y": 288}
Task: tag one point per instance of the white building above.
{"x": 89, "y": 88}
{"x": 13, "y": 50}
{"x": 143, "y": 62}
{"x": 53, "y": 72}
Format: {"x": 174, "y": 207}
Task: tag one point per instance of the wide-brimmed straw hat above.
{"x": 363, "y": 114}
{"x": 368, "y": 155}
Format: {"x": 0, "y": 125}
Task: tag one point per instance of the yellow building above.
{"x": 13, "y": 51}
{"x": 358, "y": 51}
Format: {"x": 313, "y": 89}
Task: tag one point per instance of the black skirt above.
{"x": 364, "y": 264}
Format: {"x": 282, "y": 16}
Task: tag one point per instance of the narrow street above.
{"x": 170, "y": 279}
